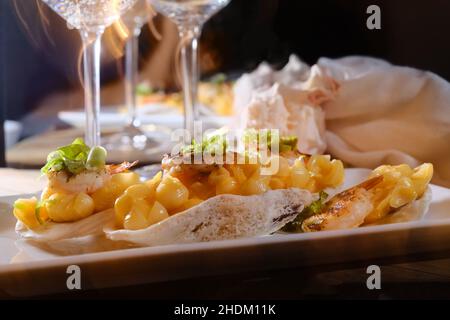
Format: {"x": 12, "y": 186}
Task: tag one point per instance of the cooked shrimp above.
{"x": 186, "y": 162}
{"x": 345, "y": 210}
{"x": 87, "y": 181}
{"x": 118, "y": 168}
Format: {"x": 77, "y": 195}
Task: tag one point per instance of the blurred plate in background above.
{"x": 155, "y": 114}
{"x": 26, "y": 269}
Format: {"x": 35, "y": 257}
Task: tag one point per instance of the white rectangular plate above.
{"x": 27, "y": 270}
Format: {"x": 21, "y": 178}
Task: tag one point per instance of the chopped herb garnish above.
{"x": 260, "y": 139}
{"x": 215, "y": 144}
{"x": 268, "y": 138}
{"x": 314, "y": 208}
{"x": 288, "y": 143}
{"x": 75, "y": 158}
{"x": 219, "y": 78}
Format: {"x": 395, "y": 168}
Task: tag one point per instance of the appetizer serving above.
{"x": 230, "y": 195}
{"x": 391, "y": 194}
{"x": 219, "y": 200}
{"x": 80, "y": 186}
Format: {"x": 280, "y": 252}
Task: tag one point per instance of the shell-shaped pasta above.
{"x": 105, "y": 197}
{"x": 69, "y": 207}
{"x": 171, "y": 193}
{"x": 25, "y": 211}
{"x": 256, "y": 184}
{"x": 401, "y": 186}
{"x": 227, "y": 185}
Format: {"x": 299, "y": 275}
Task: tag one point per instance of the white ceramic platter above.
{"x": 26, "y": 270}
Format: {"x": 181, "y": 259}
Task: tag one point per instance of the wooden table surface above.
{"x": 13, "y": 181}
{"x": 414, "y": 277}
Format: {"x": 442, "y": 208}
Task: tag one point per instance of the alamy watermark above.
{"x": 374, "y": 20}
{"x": 73, "y": 281}
{"x": 374, "y": 280}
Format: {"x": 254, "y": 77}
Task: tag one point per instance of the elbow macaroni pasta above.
{"x": 69, "y": 207}
{"x": 401, "y": 185}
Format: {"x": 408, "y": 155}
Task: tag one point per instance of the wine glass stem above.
{"x": 131, "y": 77}
{"x": 190, "y": 74}
{"x": 92, "y": 51}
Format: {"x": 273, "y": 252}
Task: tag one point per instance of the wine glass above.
{"x": 132, "y": 137}
{"x": 189, "y": 16}
{"x": 91, "y": 17}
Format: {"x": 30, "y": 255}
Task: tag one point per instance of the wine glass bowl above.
{"x": 91, "y": 17}
{"x": 193, "y": 12}
{"x": 88, "y": 14}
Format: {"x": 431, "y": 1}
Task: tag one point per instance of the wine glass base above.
{"x": 134, "y": 139}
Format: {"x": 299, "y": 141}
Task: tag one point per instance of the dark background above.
{"x": 414, "y": 33}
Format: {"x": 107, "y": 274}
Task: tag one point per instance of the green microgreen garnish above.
{"x": 219, "y": 78}
{"x": 75, "y": 158}
{"x": 269, "y": 138}
{"x": 213, "y": 145}
{"x": 37, "y": 211}
{"x": 314, "y": 208}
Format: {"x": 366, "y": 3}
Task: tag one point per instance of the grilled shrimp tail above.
{"x": 118, "y": 168}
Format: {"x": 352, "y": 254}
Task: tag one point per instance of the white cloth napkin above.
{"x": 374, "y": 113}
{"x": 289, "y": 100}
{"x": 385, "y": 114}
